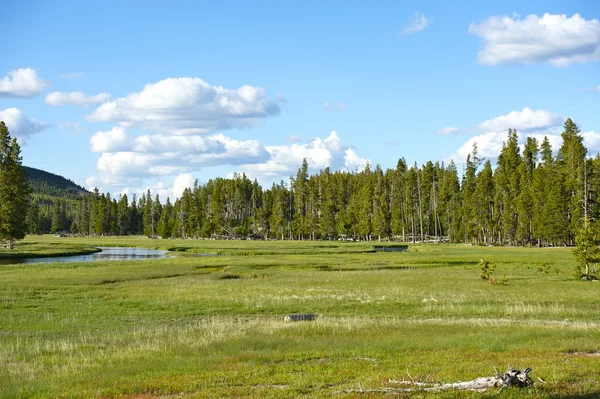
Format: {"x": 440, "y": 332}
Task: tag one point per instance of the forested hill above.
{"x": 48, "y": 184}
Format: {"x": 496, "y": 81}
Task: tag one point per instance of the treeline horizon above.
{"x": 531, "y": 197}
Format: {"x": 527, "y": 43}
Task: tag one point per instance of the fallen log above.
{"x": 512, "y": 377}
{"x": 300, "y": 317}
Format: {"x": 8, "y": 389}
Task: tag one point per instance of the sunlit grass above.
{"x": 179, "y": 326}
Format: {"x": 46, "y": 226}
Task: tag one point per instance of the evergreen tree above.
{"x": 586, "y": 252}
{"x": 571, "y": 159}
{"x": 14, "y": 190}
{"x": 525, "y": 200}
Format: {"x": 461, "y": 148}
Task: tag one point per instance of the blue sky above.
{"x": 132, "y": 95}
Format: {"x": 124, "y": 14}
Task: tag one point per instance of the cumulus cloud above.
{"x": 75, "y": 98}
{"x": 125, "y": 157}
{"x": 19, "y": 125}
{"x": 417, "y": 23}
{"x": 111, "y": 141}
{"x": 181, "y": 182}
{"x": 22, "y": 82}
{"x": 188, "y": 106}
{"x": 524, "y": 120}
{"x": 319, "y": 154}
{"x": 491, "y": 133}
{"x": 553, "y": 38}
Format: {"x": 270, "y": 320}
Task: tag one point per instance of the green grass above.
{"x": 46, "y": 246}
{"x": 198, "y": 326}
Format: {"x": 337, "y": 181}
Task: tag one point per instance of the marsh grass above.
{"x": 182, "y": 327}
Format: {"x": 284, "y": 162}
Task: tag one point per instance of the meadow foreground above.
{"x": 213, "y": 326}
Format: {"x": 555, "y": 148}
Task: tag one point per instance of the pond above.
{"x": 392, "y": 248}
{"x": 106, "y": 254}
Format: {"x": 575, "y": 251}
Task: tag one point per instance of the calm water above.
{"x": 107, "y": 254}
{"x": 395, "y": 248}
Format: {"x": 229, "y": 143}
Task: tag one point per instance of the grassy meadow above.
{"x": 197, "y": 326}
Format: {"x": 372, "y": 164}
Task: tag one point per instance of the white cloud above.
{"x": 326, "y": 106}
{"x": 22, "y": 82}
{"x": 591, "y": 140}
{"x": 125, "y": 158}
{"x": 493, "y": 132}
{"x": 181, "y": 182}
{"x": 341, "y": 106}
{"x": 417, "y": 23}
{"x": 524, "y": 120}
{"x": 552, "y": 38}
{"x": 319, "y": 154}
{"x": 111, "y": 141}
{"x": 72, "y": 75}
{"x": 188, "y": 106}
{"x": 75, "y": 98}
{"x": 19, "y": 125}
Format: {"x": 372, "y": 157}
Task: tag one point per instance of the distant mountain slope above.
{"x": 48, "y": 184}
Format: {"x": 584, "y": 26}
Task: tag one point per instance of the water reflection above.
{"x": 107, "y": 254}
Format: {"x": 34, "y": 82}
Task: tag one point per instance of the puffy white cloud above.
{"x": 111, "y": 141}
{"x": 149, "y": 156}
{"x": 493, "y": 132}
{"x": 525, "y": 120}
{"x": 75, "y": 98}
{"x": 417, "y": 23}
{"x": 22, "y": 82}
{"x": 181, "y": 182}
{"x": 591, "y": 140}
{"x": 553, "y": 38}
{"x": 125, "y": 157}
{"x": 319, "y": 154}
{"x": 19, "y": 125}
{"x": 188, "y": 106}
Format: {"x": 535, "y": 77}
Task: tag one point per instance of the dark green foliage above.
{"x": 14, "y": 190}
{"x": 530, "y": 198}
{"x": 487, "y": 269}
{"x": 587, "y": 252}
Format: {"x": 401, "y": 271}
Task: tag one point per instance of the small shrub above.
{"x": 487, "y": 269}
{"x": 544, "y": 268}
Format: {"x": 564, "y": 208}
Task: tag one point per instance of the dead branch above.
{"x": 512, "y": 377}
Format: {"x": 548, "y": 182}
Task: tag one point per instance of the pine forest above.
{"x": 533, "y": 195}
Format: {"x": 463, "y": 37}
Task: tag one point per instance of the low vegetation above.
{"x": 213, "y": 326}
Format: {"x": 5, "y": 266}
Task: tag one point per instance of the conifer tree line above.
{"x": 533, "y": 196}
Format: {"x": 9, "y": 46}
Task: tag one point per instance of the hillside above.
{"x": 48, "y": 184}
